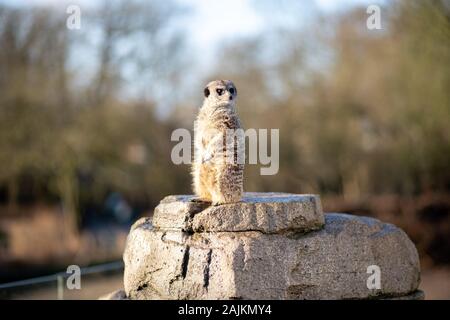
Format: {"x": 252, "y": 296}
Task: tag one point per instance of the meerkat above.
{"x": 216, "y": 179}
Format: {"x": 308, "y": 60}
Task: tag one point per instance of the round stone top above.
{"x": 257, "y": 211}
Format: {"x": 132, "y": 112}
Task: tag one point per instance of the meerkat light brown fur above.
{"x": 215, "y": 177}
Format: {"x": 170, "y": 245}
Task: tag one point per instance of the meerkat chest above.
{"x": 210, "y": 125}
{"x": 223, "y": 120}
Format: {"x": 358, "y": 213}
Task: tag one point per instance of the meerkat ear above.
{"x": 206, "y": 92}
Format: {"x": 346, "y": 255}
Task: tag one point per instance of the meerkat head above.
{"x": 220, "y": 92}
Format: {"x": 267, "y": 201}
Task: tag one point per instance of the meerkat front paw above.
{"x": 207, "y": 157}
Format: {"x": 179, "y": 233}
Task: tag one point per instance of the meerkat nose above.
{"x": 231, "y": 97}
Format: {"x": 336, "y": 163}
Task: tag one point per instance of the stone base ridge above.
{"x": 332, "y": 262}
{"x": 264, "y": 212}
{"x": 416, "y": 295}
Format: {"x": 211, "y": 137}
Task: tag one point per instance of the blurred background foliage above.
{"x": 86, "y": 117}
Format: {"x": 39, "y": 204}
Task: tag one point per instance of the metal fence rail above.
{"x": 60, "y": 276}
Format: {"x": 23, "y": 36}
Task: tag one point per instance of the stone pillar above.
{"x": 268, "y": 246}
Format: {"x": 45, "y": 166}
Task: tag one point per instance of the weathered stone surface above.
{"x": 416, "y": 295}
{"x": 330, "y": 263}
{"x": 265, "y": 212}
{"x": 115, "y": 295}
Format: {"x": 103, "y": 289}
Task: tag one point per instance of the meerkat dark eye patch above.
{"x": 232, "y": 91}
{"x": 206, "y": 92}
{"x": 219, "y": 91}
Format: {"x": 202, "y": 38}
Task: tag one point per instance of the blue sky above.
{"x": 208, "y": 23}
{"x": 212, "y": 21}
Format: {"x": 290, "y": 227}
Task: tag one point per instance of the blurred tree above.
{"x": 78, "y": 143}
{"x": 360, "y": 112}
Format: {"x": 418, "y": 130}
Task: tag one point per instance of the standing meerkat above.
{"x": 217, "y": 173}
